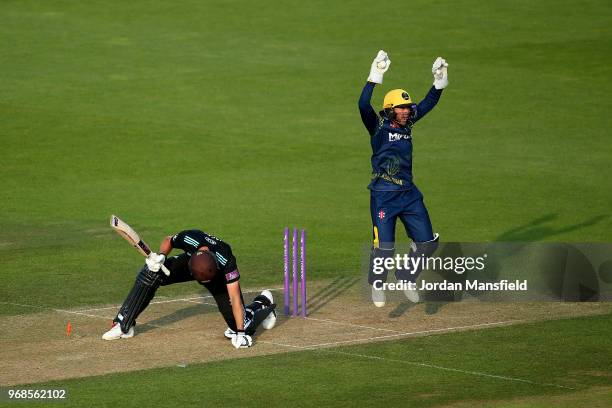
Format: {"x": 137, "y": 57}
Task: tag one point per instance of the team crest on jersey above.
{"x": 382, "y": 214}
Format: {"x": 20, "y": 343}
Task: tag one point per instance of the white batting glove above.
{"x": 229, "y": 333}
{"x": 380, "y": 65}
{"x": 439, "y": 70}
{"x": 242, "y": 340}
{"x": 155, "y": 261}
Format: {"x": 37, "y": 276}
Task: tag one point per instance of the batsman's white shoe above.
{"x": 378, "y": 297}
{"x": 412, "y": 295}
{"x": 115, "y": 333}
{"x": 229, "y": 333}
{"x": 268, "y": 294}
{"x": 270, "y": 321}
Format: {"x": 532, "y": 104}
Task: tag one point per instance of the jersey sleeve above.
{"x": 428, "y": 103}
{"x": 232, "y": 276}
{"x": 368, "y": 115}
{"x": 227, "y": 264}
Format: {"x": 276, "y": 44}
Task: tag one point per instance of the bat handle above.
{"x": 165, "y": 270}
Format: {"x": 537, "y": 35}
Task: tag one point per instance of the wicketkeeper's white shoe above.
{"x": 412, "y": 295}
{"x": 378, "y": 297}
{"x": 270, "y": 321}
{"x": 115, "y": 333}
{"x": 268, "y": 294}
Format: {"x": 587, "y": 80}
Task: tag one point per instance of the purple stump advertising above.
{"x": 286, "y": 269}
{"x": 295, "y": 273}
{"x": 303, "y": 271}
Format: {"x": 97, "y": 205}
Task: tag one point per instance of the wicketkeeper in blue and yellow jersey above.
{"x": 393, "y": 193}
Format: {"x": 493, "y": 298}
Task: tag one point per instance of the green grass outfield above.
{"x": 241, "y": 118}
{"x": 554, "y": 361}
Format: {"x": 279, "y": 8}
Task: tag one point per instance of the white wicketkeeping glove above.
{"x": 242, "y": 340}
{"x": 440, "y": 73}
{"x": 380, "y": 65}
{"x": 155, "y": 261}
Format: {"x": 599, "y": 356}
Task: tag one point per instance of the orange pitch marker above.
{"x": 68, "y": 329}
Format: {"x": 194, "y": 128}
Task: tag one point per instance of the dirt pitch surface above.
{"x": 35, "y": 346}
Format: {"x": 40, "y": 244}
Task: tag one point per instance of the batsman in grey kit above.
{"x": 209, "y": 261}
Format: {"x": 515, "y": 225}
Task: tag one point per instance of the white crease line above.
{"x": 19, "y": 304}
{"x": 201, "y": 303}
{"x": 56, "y": 310}
{"x": 398, "y": 333}
{"x": 83, "y": 314}
{"x": 280, "y": 344}
{"x": 103, "y": 317}
{"x": 477, "y": 373}
{"x": 353, "y": 325}
{"x": 152, "y": 303}
{"x": 401, "y": 334}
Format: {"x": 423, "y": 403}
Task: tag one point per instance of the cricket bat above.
{"x": 133, "y": 238}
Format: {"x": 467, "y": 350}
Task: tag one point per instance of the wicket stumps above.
{"x": 293, "y": 289}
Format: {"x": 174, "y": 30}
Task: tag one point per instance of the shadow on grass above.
{"x": 535, "y": 230}
{"x": 335, "y": 288}
{"x": 177, "y": 315}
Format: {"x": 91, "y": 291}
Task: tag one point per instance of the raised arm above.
{"x": 380, "y": 65}
{"x": 440, "y": 73}
{"x": 428, "y": 103}
{"x": 368, "y": 115}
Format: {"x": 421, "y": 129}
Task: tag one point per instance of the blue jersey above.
{"x": 392, "y": 146}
